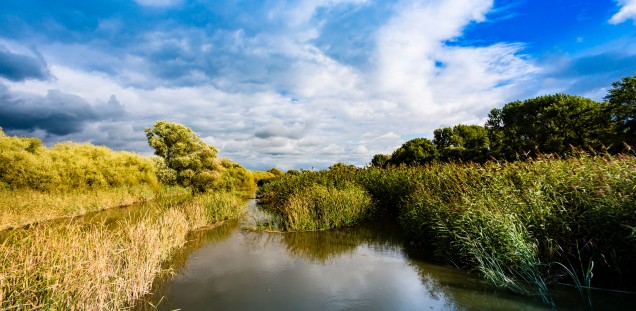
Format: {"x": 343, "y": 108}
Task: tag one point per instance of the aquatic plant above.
{"x": 509, "y": 221}
{"x": 321, "y": 207}
{"x": 79, "y": 266}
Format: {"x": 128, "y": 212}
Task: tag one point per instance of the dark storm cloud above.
{"x": 18, "y": 67}
{"x": 56, "y": 113}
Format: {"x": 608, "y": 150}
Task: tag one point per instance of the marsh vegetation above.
{"x": 544, "y": 193}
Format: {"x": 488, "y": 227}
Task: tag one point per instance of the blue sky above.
{"x": 296, "y": 84}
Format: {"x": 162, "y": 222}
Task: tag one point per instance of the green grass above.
{"x": 516, "y": 223}
{"x": 320, "y": 207}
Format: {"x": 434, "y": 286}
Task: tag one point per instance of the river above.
{"x": 367, "y": 267}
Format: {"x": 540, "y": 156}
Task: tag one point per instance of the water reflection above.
{"x": 362, "y": 268}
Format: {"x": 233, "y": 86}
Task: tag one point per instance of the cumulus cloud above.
{"x": 627, "y": 11}
{"x": 264, "y": 86}
{"x": 19, "y": 67}
{"x": 429, "y": 78}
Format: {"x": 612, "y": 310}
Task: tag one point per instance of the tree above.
{"x": 342, "y": 167}
{"x": 622, "y": 109}
{"x": 276, "y": 172}
{"x": 462, "y": 142}
{"x": 193, "y": 161}
{"x": 380, "y": 160}
{"x": 547, "y": 124}
{"x": 416, "y": 151}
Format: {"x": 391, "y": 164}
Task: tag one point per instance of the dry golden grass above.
{"x": 74, "y": 266}
{"x": 26, "y": 206}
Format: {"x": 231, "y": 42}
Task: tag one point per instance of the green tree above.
{"x": 416, "y": 151}
{"x": 622, "y": 108}
{"x": 276, "y": 172}
{"x": 380, "y": 160}
{"x": 547, "y": 124}
{"x": 183, "y": 151}
{"x": 339, "y": 166}
{"x": 462, "y": 142}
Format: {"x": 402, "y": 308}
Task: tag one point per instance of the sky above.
{"x": 296, "y": 84}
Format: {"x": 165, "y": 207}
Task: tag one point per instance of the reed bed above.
{"x": 26, "y": 206}
{"x": 320, "y": 207}
{"x": 517, "y": 223}
{"x": 316, "y": 200}
{"x": 79, "y": 266}
{"x": 514, "y": 221}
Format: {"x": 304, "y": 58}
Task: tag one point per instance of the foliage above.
{"x": 622, "y": 108}
{"x": 25, "y": 163}
{"x": 276, "y": 172}
{"x": 260, "y": 178}
{"x": 547, "y": 124}
{"x": 380, "y": 160}
{"x": 321, "y": 207}
{"x": 342, "y": 167}
{"x": 510, "y": 221}
{"x": 235, "y": 177}
{"x": 462, "y": 143}
{"x": 193, "y": 160}
{"x": 416, "y": 151}
{"x": 190, "y": 162}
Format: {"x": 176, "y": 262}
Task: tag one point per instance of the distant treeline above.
{"x": 553, "y": 124}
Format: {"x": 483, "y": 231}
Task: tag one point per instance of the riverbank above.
{"x": 521, "y": 225}
{"x": 23, "y": 207}
{"x": 91, "y": 266}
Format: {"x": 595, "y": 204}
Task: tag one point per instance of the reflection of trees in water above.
{"x": 178, "y": 260}
{"x": 322, "y": 246}
{"x": 463, "y": 291}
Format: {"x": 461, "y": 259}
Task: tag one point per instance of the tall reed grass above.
{"x": 26, "y": 206}
{"x": 79, "y": 266}
{"x": 510, "y": 221}
{"x": 320, "y": 207}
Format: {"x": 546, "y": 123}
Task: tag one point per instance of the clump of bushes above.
{"x": 25, "y": 163}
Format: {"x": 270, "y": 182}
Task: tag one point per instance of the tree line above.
{"x": 552, "y": 124}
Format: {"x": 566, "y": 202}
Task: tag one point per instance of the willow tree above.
{"x": 193, "y": 161}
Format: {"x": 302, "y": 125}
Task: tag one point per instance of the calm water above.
{"x": 363, "y": 268}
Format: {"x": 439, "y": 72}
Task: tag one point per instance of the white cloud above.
{"x": 430, "y": 79}
{"x": 274, "y": 98}
{"x": 333, "y": 149}
{"x": 627, "y": 11}
{"x": 361, "y": 149}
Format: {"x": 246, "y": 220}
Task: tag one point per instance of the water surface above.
{"x": 367, "y": 267}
